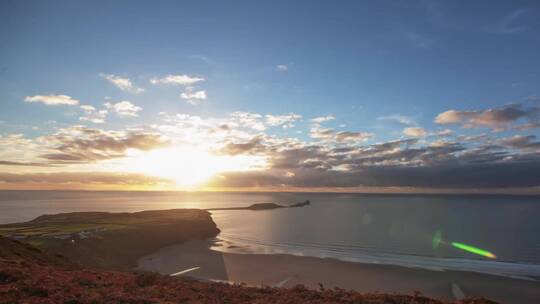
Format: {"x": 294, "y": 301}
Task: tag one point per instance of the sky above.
{"x": 353, "y": 96}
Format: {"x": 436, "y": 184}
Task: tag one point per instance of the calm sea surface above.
{"x": 386, "y": 229}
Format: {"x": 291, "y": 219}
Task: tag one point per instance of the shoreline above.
{"x": 282, "y": 270}
{"x": 508, "y": 269}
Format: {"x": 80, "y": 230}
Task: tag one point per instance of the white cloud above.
{"x": 184, "y": 80}
{"x": 88, "y": 108}
{"x": 249, "y": 120}
{"x": 445, "y": 132}
{"x": 122, "y": 83}
{"x": 415, "y": 132}
{"x": 92, "y": 115}
{"x": 322, "y": 119}
{"x": 282, "y": 120}
{"x": 52, "y": 100}
{"x": 453, "y": 116}
{"x": 193, "y": 97}
{"x": 282, "y": 67}
{"x": 97, "y": 117}
{"x": 124, "y": 108}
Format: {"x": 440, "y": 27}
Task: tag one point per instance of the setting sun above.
{"x": 189, "y": 166}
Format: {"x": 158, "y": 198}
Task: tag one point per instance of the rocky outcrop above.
{"x": 265, "y": 206}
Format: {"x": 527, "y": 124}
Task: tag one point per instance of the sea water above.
{"x": 369, "y": 228}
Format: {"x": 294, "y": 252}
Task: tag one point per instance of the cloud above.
{"x": 124, "y": 108}
{"x": 88, "y": 108}
{"x": 401, "y": 119}
{"x": 322, "y": 119}
{"x": 527, "y": 126}
{"x": 18, "y": 148}
{"x": 442, "y": 164}
{"x": 328, "y": 158}
{"x": 443, "y": 133}
{"x": 322, "y": 133}
{"x": 79, "y": 144}
{"x": 454, "y": 117}
{"x": 23, "y": 164}
{"x": 415, "y": 132}
{"x": 93, "y": 115}
{"x": 193, "y": 97}
{"x": 286, "y": 120}
{"x": 446, "y": 165}
{"x": 282, "y": 67}
{"x": 326, "y": 134}
{"x": 507, "y": 24}
{"x": 252, "y": 146}
{"x": 347, "y": 136}
{"x": 532, "y": 98}
{"x": 522, "y": 142}
{"x": 183, "y": 80}
{"x": 201, "y": 57}
{"x": 248, "y": 120}
{"x": 122, "y": 83}
{"x": 472, "y": 176}
{"x": 52, "y": 100}
{"x": 294, "y": 157}
{"x": 497, "y": 118}
{"x": 84, "y": 179}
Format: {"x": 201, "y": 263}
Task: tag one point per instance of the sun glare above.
{"x": 188, "y": 166}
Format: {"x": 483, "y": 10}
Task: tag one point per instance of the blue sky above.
{"x": 361, "y": 62}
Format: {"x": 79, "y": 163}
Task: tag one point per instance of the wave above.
{"x": 357, "y": 254}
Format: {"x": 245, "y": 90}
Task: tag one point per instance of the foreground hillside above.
{"x": 28, "y": 275}
{"x": 112, "y": 240}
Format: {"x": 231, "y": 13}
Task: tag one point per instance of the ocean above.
{"x": 369, "y": 228}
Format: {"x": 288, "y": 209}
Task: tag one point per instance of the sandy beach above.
{"x": 288, "y": 270}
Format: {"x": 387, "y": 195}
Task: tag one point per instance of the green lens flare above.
{"x": 474, "y": 250}
{"x": 436, "y": 241}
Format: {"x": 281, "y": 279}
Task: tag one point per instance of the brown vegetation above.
{"x": 30, "y": 276}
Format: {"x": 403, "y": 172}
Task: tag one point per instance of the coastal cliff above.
{"x": 112, "y": 240}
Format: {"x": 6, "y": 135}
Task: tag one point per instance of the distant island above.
{"x": 265, "y": 206}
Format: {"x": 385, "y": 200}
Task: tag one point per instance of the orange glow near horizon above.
{"x": 189, "y": 166}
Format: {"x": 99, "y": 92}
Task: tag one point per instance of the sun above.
{"x": 189, "y": 166}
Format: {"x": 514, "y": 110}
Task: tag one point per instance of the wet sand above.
{"x": 288, "y": 270}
